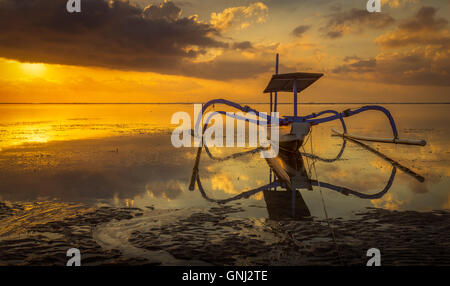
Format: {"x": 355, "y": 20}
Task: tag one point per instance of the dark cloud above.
{"x": 166, "y": 11}
{"x": 354, "y": 20}
{"x": 294, "y": 5}
{"x": 426, "y": 62}
{"x": 228, "y": 69}
{"x": 424, "y": 28}
{"x": 357, "y": 66}
{"x": 300, "y": 30}
{"x": 424, "y": 20}
{"x": 417, "y": 67}
{"x": 350, "y": 58}
{"x": 111, "y": 34}
{"x": 245, "y": 45}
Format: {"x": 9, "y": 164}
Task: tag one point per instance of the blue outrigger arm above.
{"x": 313, "y": 119}
{"x": 274, "y": 184}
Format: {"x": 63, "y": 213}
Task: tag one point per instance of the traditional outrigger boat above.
{"x": 288, "y": 167}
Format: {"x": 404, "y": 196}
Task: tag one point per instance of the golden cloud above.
{"x": 397, "y": 3}
{"x": 240, "y": 17}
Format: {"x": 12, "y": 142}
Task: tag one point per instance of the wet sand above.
{"x": 45, "y": 244}
{"x": 148, "y": 236}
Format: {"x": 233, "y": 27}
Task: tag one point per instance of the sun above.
{"x": 33, "y": 69}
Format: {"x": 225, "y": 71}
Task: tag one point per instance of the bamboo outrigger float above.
{"x": 293, "y": 130}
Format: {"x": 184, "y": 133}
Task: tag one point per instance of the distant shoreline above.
{"x": 186, "y": 103}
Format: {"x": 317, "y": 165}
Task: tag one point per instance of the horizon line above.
{"x": 184, "y": 103}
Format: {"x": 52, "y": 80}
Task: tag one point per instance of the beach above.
{"x": 212, "y": 237}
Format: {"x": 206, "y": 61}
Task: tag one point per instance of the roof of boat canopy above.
{"x": 285, "y": 82}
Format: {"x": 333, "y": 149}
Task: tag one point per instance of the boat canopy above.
{"x": 285, "y": 82}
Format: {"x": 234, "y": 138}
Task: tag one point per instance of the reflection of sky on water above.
{"x": 121, "y": 154}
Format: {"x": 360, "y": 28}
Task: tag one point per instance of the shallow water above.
{"x": 89, "y": 156}
{"x": 122, "y": 155}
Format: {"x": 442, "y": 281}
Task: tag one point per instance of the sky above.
{"x": 196, "y": 50}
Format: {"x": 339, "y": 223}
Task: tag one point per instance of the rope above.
{"x": 324, "y": 206}
{"x": 307, "y": 157}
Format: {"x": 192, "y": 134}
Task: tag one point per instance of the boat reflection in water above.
{"x": 282, "y": 196}
{"x": 279, "y": 205}
{"x": 290, "y": 171}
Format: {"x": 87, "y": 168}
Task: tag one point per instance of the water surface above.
{"x": 121, "y": 155}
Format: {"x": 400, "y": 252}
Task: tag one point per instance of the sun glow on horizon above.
{"x": 33, "y": 69}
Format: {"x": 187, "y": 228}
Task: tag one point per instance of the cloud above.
{"x": 245, "y": 45}
{"x": 300, "y": 30}
{"x": 389, "y": 202}
{"x": 424, "y": 28}
{"x": 417, "y": 52}
{"x": 223, "y": 182}
{"x": 241, "y": 16}
{"x": 350, "y": 58}
{"x": 397, "y": 3}
{"x": 354, "y": 20}
{"x": 118, "y": 35}
{"x": 225, "y": 68}
{"x": 417, "y": 67}
{"x": 166, "y": 11}
{"x": 357, "y": 66}
{"x": 292, "y": 6}
{"x": 170, "y": 189}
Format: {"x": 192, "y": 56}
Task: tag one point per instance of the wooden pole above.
{"x": 271, "y": 107}
{"x": 381, "y": 140}
{"x": 276, "y": 93}
{"x": 195, "y": 169}
{"x": 295, "y": 99}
